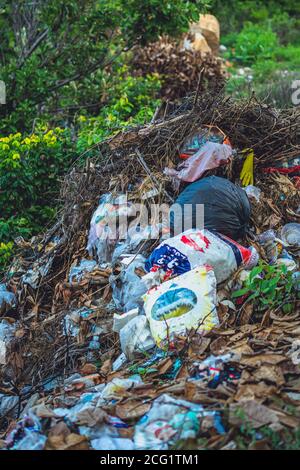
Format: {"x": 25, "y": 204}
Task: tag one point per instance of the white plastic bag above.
{"x": 128, "y": 287}
{"x": 136, "y": 337}
{"x": 194, "y": 248}
{"x": 210, "y": 155}
{"x": 6, "y": 336}
{"x": 180, "y": 304}
{"x": 105, "y": 225}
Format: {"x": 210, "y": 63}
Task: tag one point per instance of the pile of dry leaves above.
{"x": 178, "y": 67}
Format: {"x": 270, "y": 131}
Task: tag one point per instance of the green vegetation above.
{"x": 264, "y": 38}
{"x": 129, "y": 100}
{"x": 269, "y": 287}
{"x": 68, "y": 87}
{"x": 30, "y": 170}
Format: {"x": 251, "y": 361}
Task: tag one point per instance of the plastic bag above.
{"x": 197, "y": 248}
{"x": 85, "y": 266}
{"x": 6, "y": 335}
{"x": 168, "y": 421}
{"x": 270, "y": 244}
{"x": 127, "y": 286}
{"x": 197, "y": 141}
{"x": 210, "y": 155}
{"x": 72, "y": 320}
{"x": 116, "y": 388}
{"x": 286, "y": 259}
{"x": 7, "y": 299}
{"x": 253, "y": 191}
{"x": 8, "y": 405}
{"x": 120, "y": 320}
{"x": 180, "y": 304}
{"x": 289, "y": 167}
{"x": 27, "y": 435}
{"x": 107, "y": 442}
{"x": 135, "y": 337}
{"x": 105, "y": 225}
{"x": 290, "y": 234}
{"x": 136, "y": 235}
{"x": 35, "y": 275}
{"x": 226, "y": 207}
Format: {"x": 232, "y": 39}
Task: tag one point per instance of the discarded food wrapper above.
{"x": 197, "y": 248}
{"x": 216, "y": 370}
{"x": 211, "y": 155}
{"x": 135, "y": 337}
{"x": 181, "y": 304}
{"x": 289, "y": 167}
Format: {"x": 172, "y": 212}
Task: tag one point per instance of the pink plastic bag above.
{"x": 210, "y": 155}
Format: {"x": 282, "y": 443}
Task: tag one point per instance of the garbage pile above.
{"x": 159, "y": 338}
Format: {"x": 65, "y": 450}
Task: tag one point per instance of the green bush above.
{"x": 129, "y": 100}
{"x": 6, "y": 251}
{"x": 288, "y": 57}
{"x": 255, "y": 43}
{"x": 286, "y": 27}
{"x": 53, "y": 53}
{"x": 30, "y": 170}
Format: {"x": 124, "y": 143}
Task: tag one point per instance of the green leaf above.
{"x": 240, "y": 292}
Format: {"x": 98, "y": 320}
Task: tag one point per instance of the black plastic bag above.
{"x": 226, "y": 207}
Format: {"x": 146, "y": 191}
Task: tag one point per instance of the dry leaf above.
{"x": 259, "y": 359}
{"x": 90, "y": 416}
{"x": 69, "y": 442}
{"x": 132, "y": 409}
{"x": 271, "y": 373}
{"x": 255, "y": 414}
{"x": 88, "y": 369}
{"x": 218, "y": 346}
{"x": 59, "y": 429}
{"x": 106, "y": 367}
{"x": 252, "y": 391}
